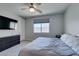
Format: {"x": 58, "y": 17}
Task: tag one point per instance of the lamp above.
{"x": 31, "y": 9}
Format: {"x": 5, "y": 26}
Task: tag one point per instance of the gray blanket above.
{"x": 54, "y": 47}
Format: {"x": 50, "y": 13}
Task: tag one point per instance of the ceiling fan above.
{"x": 32, "y": 7}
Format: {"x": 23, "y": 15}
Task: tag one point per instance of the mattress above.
{"x": 47, "y": 46}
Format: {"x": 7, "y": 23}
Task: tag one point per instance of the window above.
{"x": 41, "y": 27}
{"x": 37, "y": 28}
{"x": 13, "y": 25}
{"x": 45, "y": 27}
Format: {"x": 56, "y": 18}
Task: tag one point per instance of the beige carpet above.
{"x": 13, "y": 51}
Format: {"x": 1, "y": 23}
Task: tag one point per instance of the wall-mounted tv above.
{"x": 7, "y": 23}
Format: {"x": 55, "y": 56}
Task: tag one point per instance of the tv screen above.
{"x": 5, "y": 23}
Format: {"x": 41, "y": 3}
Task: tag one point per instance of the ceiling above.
{"x": 46, "y": 8}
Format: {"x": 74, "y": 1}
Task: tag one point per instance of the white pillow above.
{"x": 72, "y": 41}
{"x": 67, "y": 39}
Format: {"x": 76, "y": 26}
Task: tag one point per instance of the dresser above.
{"x": 7, "y": 42}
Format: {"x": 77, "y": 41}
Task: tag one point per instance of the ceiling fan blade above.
{"x": 23, "y": 8}
{"x": 27, "y": 4}
{"x": 38, "y": 10}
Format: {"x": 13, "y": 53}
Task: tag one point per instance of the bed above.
{"x": 44, "y": 46}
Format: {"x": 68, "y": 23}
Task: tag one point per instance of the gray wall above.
{"x": 72, "y": 19}
{"x": 56, "y": 26}
{"x": 6, "y": 11}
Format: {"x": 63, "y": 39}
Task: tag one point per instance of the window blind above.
{"x": 45, "y": 20}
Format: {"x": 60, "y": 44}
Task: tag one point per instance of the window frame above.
{"x": 41, "y": 28}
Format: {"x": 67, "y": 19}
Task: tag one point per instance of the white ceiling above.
{"x": 46, "y": 8}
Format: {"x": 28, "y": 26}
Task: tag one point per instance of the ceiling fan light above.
{"x": 32, "y": 9}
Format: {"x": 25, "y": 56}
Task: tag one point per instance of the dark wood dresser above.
{"x": 7, "y": 42}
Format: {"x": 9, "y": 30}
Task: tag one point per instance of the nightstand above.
{"x": 58, "y": 36}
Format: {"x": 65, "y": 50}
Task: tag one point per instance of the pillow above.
{"x": 68, "y": 39}
{"x": 64, "y": 38}
{"x": 72, "y": 41}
